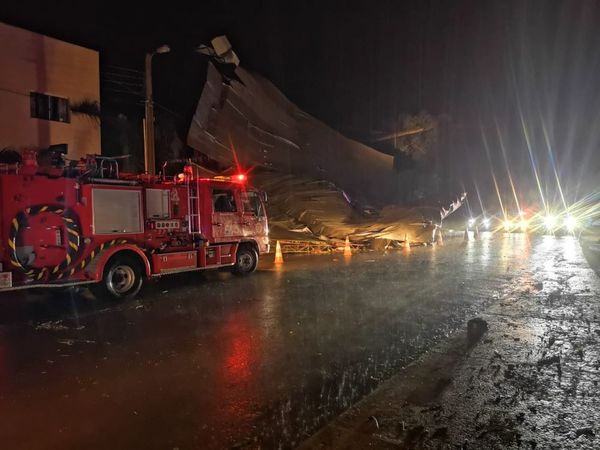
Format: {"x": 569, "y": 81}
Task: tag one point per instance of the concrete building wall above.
{"x": 31, "y": 62}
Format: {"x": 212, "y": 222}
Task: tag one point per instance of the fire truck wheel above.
{"x": 246, "y": 261}
{"x": 122, "y": 279}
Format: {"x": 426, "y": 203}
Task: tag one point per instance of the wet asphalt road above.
{"x": 215, "y": 361}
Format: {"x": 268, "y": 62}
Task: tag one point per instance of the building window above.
{"x": 49, "y": 107}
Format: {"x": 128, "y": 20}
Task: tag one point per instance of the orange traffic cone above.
{"x": 278, "y": 254}
{"x": 347, "y": 248}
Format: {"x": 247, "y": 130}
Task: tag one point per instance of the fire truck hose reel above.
{"x": 67, "y": 267}
{"x": 73, "y": 248}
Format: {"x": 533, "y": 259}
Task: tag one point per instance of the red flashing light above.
{"x": 240, "y": 177}
{"x": 181, "y": 177}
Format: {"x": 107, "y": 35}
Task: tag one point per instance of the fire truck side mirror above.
{"x": 263, "y": 197}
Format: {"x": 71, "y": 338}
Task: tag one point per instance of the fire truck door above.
{"x": 226, "y": 224}
{"x": 253, "y": 218}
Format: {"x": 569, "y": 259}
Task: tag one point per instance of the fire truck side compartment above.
{"x": 218, "y": 255}
{"x": 117, "y": 211}
{"x": 174, "y": 262}
{"x": 157, "y": 204}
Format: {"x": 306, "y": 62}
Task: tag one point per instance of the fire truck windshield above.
{"x": 252, "y": 204}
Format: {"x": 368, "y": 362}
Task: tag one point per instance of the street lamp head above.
{"x": 162, "y": 49}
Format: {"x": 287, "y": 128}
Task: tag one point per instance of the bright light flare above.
{"x": 550, "y": 222}
{"x": 471, "y": 222}
{"x": 240, "y": 177}
{"x": 486, "y": 224}
{"x": 507, "y": 225}
{"x": 523, "y": 225}
{"x": 570, "y": 223}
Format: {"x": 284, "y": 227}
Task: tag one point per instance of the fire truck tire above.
{"x": 246, "y": 261}
{"x": 122, "y": 279}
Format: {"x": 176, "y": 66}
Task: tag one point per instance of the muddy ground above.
{"x": 530, "y": 382}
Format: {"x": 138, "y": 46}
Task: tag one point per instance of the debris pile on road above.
{"x": 304, "y": 209}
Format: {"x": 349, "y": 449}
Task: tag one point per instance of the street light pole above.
{"x": 149, "y": 159}
{"x": 149, "y": 154}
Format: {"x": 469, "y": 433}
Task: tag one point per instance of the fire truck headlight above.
{"x": 570, "y": 223}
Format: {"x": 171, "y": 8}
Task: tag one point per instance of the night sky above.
{"x": 498, "y": 74}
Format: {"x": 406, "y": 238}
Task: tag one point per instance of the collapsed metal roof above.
{"x": 248, "y": 118}
{"x": 318, "y": 180}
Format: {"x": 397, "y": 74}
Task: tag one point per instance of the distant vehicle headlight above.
{"x": 507, "y": 225}
{"x": 471, "y": 222}
{"x": 570, "y": 223}
{"x": 486, "y": 224}
{"x": 549, "y": 222}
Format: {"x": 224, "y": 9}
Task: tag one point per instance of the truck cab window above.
{"x": 252, "y": 204}
{"x": 223, "y": 201}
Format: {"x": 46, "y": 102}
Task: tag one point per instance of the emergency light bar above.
{"x": 239, "y": 178}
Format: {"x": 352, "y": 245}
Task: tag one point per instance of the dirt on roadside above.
{"x": 530, "y": 382}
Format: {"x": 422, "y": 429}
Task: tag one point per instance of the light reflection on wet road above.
{"x": 215, "y": 361}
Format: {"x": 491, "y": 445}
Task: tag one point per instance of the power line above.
{"x": 133, "y": 87}
{"x": 127, "y": 86}
{"x": 121, "y": 91}
{"x": 120, "y": 75}
{"x": 123, "y": 69}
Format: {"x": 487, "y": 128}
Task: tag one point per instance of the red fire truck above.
{"x": 89, "y": 224}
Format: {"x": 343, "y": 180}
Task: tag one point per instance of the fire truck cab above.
{"x": 91, "y": 225}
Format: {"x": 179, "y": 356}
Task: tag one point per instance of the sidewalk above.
{"x": 531, "y": 382}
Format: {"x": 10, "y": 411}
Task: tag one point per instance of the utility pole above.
{"x": 149, "y": 154}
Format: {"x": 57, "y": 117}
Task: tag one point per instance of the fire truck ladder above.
{"x": 194, "y": 206}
